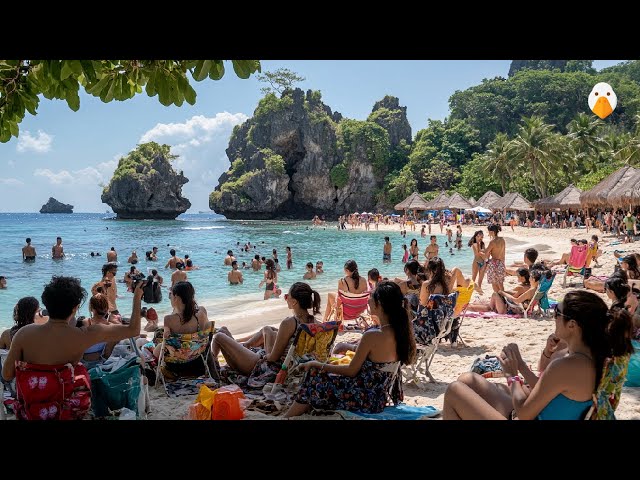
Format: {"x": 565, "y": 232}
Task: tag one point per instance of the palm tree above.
{"x": 540, "y": 150}
{"x": 585, "y": 140}
{"x": 498, "y": 160}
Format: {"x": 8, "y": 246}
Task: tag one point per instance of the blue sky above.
{"x": 67, "y": 154}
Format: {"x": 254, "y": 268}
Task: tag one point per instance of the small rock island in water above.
{"x": 145, "y": 185}
{"x": 54, "y": 206}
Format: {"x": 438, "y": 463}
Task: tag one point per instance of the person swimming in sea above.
{"x": 28, "y": 252}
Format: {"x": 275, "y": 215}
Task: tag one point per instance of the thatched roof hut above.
{"x": 512, "y": 201}
{"x": 413, "y": 202}
{"x": 440, "y": 202}
{"x": 598, "y": 195}
{"x": 472, "y": 201}
{"x": 458, "y": 202}
{"x": 569, "y": 198}
{"x": 487, "y": 200}
{"x": 626, "y": 194}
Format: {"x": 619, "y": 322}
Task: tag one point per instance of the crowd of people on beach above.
{"x": 588, "y": 334}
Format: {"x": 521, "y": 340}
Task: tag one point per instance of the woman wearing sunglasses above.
{"x": 263, "y": 364}
{"x": 26, "y": 312}
{"x": 565, "y": 388}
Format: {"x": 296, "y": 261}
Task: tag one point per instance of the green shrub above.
{"x": 339, "y": 175}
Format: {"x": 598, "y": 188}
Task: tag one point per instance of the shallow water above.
{"x": 206, "y": 238}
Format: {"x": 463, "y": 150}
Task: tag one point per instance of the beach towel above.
{"x": 182, "y": 387}
{"x": 395, "y": 412}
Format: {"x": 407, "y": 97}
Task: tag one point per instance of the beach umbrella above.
{"x": 569, "y": 198}
{"x": 627, "y": 193}
{"x": 413, "y": 202}
{"x": 480, "y": 210}
{"x": 512, "y": 201}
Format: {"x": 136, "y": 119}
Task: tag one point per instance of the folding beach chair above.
{"x": 432, "y": 324}
{"x": 181, "y": 354}
{"x": 540, "y": 299}
{"x": 351, "y": 307}
{"x": 460, "y": 310}
{"x": 577, "y": 262}
{"x": 312, "y": 341}
{"x": 607, "y": 396}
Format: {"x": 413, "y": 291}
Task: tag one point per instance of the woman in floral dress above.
{"x": 372, "y": 376}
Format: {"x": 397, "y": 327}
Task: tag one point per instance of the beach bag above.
{"x": 116, "y": 390}
{"x": 489, "y": 363}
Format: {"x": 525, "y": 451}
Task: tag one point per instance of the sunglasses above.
{"x": 558, "y": 313}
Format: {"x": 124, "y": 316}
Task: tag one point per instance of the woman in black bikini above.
{"x": 270, "y": 280}
{"x": 414, "y": 252}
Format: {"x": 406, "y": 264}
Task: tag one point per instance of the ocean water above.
{"x": 206, "y": 238}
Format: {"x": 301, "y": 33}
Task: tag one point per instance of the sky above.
{"x": 68, "y": 155}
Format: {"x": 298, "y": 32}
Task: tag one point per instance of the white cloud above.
{"x": 200, "y": 143}
{"x": 100, "y": 173}
{"x": 198, "y": 129}
{"x": 40, "y": 143}
{"x": 11, "y": 182}
{"x": 11, "y": 163}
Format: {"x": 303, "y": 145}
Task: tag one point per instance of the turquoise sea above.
{"x": 206, "y": 238}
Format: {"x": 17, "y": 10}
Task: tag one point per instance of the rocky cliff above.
{"x": 145, "y": 186}
{"x": 54, "y": 206}
{"x": 296, "y": 158}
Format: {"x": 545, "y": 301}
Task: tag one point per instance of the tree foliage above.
{"x": 279, "y": 80}
{"x": 139, "y": 161}
{"x": 22, "y": 81}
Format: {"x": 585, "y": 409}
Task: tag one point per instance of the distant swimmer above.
{"x": 319, "y": 267}
{"x": 133, "y": 259}
{"x": 386, "y": 251}
{"x": 256, "y": 264}
{"x": 57, "y": 251}
{"x": 309, "y": 274}
{"x": 229, "y": 258}
{"x": 235, "y": 275}
{"x": 154, "y": 253}
{"x": 173, "y": 261}
{"x": 112, "y": 255}
{"x": 28, "y": 252}
{"x": 190, "y": 266}
{"x": 3, "y": 282}
{"x": 179, "y": 275}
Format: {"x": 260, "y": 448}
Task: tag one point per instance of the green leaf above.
{"x": 151, "y": 85}
{"x": 13, "y": 128}
{"x": 110, "y": 91}
{"x": 73, "y": 100}
{"x": 97, "y": 87}
{"x": 5, "y": 135}
{"x": 201, "y": 70}
{"x": 190, "y": 94}
{"x": 217, "y": 70}
{"x": 66, "y": 70}
{"x": 244, "y": 68}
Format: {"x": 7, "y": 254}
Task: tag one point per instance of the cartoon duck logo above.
{"x": 602, "y": 100}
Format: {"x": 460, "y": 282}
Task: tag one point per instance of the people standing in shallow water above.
{"x": 319, "y": 267}
{"x": 289, "y": 258}
{"x": 179, "y": 275}
{"x": 112, "y": 255}
{"x": 386, "y": 251}
{"x": 57, "y": 251}
{"x": 28, "y": 252}
{"x": 3, "y": 282}
{"x": 309, "y": 274}
{"x": 270, "y": 280}
{"x": 478, "y": 266}
{"x": 133, "y": 259}
{"x": 229, "y": 258}
{"x": 235, "y": 275}
{"x": 173, "y": 261}
{"x": 256, "y": 264}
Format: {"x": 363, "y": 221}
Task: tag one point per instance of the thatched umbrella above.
{"x": 598, "y": 195}
{"x": 413, "y": 202}
{"x": 440, "y": 202}
{"x": 626, "y": 194}
{"x": 569, "y": 198}
{"x": 513, "y": 201}
{"x": 472, "y": 200}
{"x": 458, "y": 202}
{"x": 487, "y": 200}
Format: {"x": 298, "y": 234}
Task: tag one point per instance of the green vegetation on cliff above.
{"x": 354, "y": 134}
{"x": 139, "y": 161}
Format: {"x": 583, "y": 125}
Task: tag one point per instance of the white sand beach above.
{"x": 482, "y": 336}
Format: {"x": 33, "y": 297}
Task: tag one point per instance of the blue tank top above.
{"x": 563, "y": 408}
